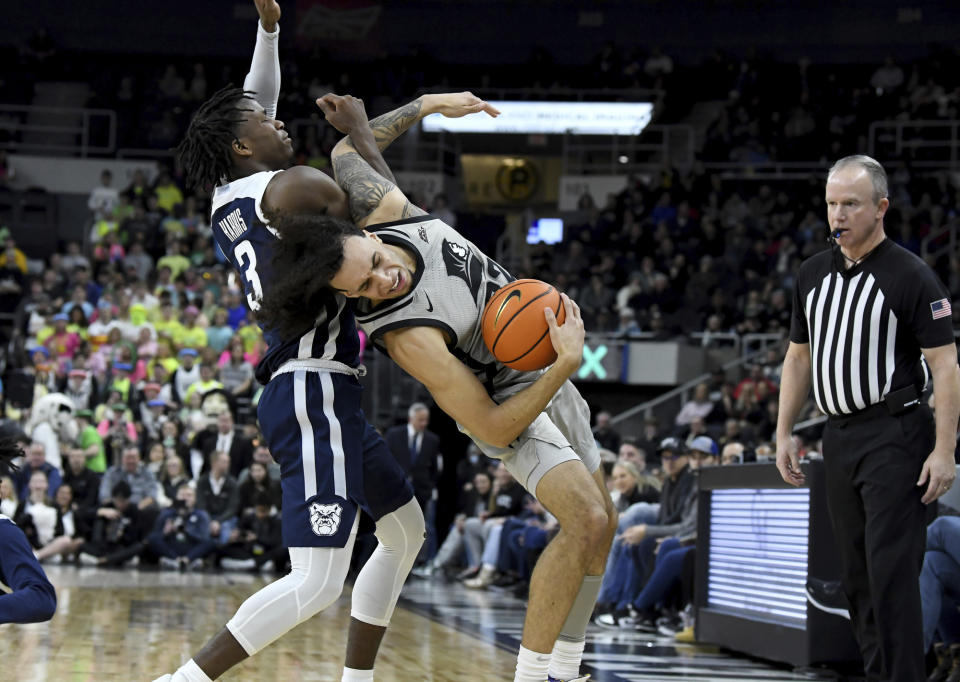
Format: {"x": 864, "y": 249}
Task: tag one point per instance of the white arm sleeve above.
{"x": 264, "y": 76}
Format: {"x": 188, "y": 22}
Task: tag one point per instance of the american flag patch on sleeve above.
{"x": 940, "y": 308}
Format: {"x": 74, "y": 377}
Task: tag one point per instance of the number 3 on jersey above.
{"x": 243, "y": 251}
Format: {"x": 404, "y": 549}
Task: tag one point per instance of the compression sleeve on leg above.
{"x": 579, "y": 616}
{"x": 377, "y": 587}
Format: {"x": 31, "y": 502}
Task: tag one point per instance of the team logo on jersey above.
{"x": 325, "y": 518}
{"x": 422, "y": 231}
{"x": 461, "y": 263}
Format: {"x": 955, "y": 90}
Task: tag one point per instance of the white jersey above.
{"x": 451, "y": 285}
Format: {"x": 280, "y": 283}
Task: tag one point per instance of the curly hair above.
{"x": 307, "y": 256}
{"x": 204, "y": 153}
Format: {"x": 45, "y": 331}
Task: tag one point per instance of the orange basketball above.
{"x": 514, "y": 327}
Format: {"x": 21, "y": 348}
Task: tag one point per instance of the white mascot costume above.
{"x": 52, "y": 422}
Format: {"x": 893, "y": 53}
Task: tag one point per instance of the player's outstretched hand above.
{"x": 567, "y": 339}
{"x": 457, "y": 104}
{"x": 269, "y": 12}
{"x": 343, "y": 112}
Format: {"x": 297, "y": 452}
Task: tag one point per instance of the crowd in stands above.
{"x": 147, "y": 332}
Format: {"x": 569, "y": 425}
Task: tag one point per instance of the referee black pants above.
{"x": 872, "y": 462}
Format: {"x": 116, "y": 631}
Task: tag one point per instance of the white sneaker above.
{"x": 229, "y": 564}
{"x": 169, "y": 563}
{"x": 425, "y": 571}
{"x": 267, "y": 566}
{"x": 195, "y": 565}
{"x": 88, "y": 559}
{"x": 132, "y": 562}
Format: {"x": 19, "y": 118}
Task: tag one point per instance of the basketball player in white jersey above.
{"x": 422, "y": 288}
{"x": 332, "y": 461}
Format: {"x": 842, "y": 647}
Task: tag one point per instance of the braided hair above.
{"x": 204, "y": 153}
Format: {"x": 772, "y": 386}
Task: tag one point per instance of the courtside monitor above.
{"x": 545, "y": 231}
{"x": 544, "y": 118}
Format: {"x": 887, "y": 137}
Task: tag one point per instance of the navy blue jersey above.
{"x": 245, "y": 237}
{"x": 33, "y": 599}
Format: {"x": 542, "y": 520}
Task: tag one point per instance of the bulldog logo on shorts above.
{"x": 325, "y": 518}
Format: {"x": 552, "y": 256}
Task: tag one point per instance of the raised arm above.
{"x": 264, "y": 75}
{"x": 393, "y": 124}
{"x": 358, "y": 165}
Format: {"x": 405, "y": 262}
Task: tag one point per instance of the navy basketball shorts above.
{"x": 331, "y": 460}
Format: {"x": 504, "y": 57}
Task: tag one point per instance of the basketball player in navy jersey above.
{"x": 32, "y": 598}
{"x": 332, "y": 461}
{"x": 422, "y": 288}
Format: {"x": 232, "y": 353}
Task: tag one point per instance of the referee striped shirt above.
{"x": 866, "y": 324}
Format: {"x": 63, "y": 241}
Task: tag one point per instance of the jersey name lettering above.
{"x": 233, "y": 225}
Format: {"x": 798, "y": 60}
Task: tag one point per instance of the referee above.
{"x": 864, "y": 312}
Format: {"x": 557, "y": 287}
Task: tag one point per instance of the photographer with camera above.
{"x": 116, "y": 538}
{"x": 181, "y": 535}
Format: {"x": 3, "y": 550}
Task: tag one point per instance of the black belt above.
{"x": 894, "y": 404}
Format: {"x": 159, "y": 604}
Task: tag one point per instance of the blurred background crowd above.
{"x": 142, "y": 328}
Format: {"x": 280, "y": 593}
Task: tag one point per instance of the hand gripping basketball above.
{"x": 518, "y": 333}
{"x": 567, "y": 339}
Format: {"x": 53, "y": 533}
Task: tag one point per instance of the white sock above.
{"x": 354, "y": 675}
{"x": 565, "y": 659}
{"x": 190, "y": 672}
{"x": 531, "y": 666}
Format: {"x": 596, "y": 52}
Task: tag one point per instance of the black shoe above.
{"x": 944, "y": 663}
{"x": 954, "y": 674}
{"x": 669, "y": 626}
{"x": 828, "y": 596}
{"x": 506, "y": 580}
{"x": 522, "y": 590}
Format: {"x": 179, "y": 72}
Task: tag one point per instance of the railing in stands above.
{"x": 141, "y": 153}
{"x": 744, "y": 344}
{"x": 925, "y": 144}
{"x": 767, "y": 170}
{"x": 944, "y": 236}
{"x": 681, "y": 393}
{"x": 625, "y": 154}
{"x": 555, "y": 94}
{"x": 62, "y": 130}
{"x": 410, "y": 153}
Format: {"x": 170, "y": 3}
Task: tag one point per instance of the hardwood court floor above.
{"x": 135, "y": 625}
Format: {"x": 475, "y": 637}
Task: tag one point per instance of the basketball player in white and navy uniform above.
{"x": 339, "y": 461}
{"x": 332, "y": 461}
{"x": 422, "y": 288}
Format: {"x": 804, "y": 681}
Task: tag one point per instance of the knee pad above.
{"x": 402, "y": 531}
{"x": 376, "y": 589}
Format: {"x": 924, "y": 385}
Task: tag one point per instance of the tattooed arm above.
{"x": 371, "y": 197}
{"x": 392, "y": 125}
